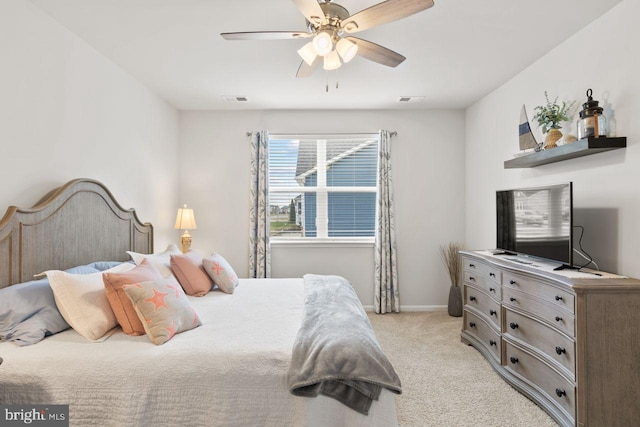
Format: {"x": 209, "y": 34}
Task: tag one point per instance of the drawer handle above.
{"x": 512, "y": 299}
{"x": 492, "y": 274}
{"x": 472, "y": 324}
{"x": 492, "y": 290}
{"x": 513, "y": 325}
{"x": 492, "y": 342}
{"x": 560, "y": 350}
{"x": 472, "y": 298}
{"x": 512, "y": 282}
{"x": 513, "y": 360}
{"x": 559, "y": 298}
{"x": 493, "y": 313}
{"x": 473, "y": 279}
{"x": 558, "y": 319}
{"x": 560, "y": 392}
{"x": 472, "y": 265}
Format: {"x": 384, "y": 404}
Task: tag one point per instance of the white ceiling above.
{"x": 457, "y": 51}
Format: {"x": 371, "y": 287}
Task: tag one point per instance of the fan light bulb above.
{"x": 332, "y": 61}
{"x": 308, "y": 53}
{"x": 322, "y": 43}
{"x": 347, "y": 49}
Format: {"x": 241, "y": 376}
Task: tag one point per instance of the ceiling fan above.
{"x": 330, "y": 25}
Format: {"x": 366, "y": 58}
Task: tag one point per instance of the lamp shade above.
{"x": 332, "y": 61}
{"x": 346, "y": 49}
{"x": 308, "y": 53}
{"x": 185, "y": 219}
{"x": 322, "y": 43}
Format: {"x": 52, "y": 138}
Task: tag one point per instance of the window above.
{"x": 322, "y": 186}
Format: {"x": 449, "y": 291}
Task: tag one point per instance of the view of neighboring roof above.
{"x": 336, "y": 149}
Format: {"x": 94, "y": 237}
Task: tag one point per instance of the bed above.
{"x": 234, "y": 369}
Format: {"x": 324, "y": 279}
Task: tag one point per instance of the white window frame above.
{"x": 322, "y": 192}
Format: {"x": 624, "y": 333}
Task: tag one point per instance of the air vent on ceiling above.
{"x": 410, "y": 98}
{"x": 235, "y": 98}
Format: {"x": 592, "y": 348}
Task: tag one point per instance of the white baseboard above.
{"x": 423, "y": 308}
{"x": 414, "y": 308}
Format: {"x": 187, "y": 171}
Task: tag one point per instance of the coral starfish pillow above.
{"x": 118, "y": 299}
{"x": 163, "y": 309}
{"x": 221, "y": 272}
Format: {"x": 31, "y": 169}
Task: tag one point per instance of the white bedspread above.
{"x": 231, "y": 371}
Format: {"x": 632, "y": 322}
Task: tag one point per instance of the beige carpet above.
{"x": 445, "y": 382}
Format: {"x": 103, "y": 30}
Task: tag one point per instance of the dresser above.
{"x": 568, "y": 341}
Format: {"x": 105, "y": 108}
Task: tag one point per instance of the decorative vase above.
{"x": 455, "y": 301}
{"x": 552, "y": 137}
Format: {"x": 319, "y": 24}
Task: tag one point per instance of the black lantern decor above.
{"x": 592, "y": 122}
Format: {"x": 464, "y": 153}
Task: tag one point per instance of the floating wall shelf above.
{"x": 582, "y": 147}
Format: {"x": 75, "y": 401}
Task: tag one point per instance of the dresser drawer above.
{"x": 557, "y": 318}
{"x": 484, "y": 333}
{"x": 558, "y": 389}
{"x": 556, "y": 297}
{"x": 486, "y": 271}
{"x": 473, "y": 265}
{"x": 484, "y": 304}
{"x": 557, "y": 346}
{"x": 482, "y": 282}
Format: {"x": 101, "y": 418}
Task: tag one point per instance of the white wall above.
{"x": 428, "y": 161}
{"x": 603, "y": 56}
{"x": 67, "y": 112}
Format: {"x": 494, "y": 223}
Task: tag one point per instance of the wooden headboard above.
{"x": 75, "y": 224}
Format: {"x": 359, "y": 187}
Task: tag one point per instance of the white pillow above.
{"x": 161, "y": 261}
{"x": 82, "y": 301}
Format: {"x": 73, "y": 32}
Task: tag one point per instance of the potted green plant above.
{"x": 549, "y": 118}
{"x": 452, "y": 261}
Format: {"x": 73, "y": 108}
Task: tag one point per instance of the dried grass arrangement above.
{"x": 452, "y": 260}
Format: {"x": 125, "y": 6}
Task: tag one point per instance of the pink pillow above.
{"x": 221, "y": 272}
{"x": 188, "y": 270}
{"x": 120, "y": 303}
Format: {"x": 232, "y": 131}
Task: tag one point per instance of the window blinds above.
{"x": 323, "y": 186}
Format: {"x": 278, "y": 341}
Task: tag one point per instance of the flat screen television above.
{"x": 537, "y": 222}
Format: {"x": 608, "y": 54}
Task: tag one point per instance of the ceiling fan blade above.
{"x": 266, "y": 35}
{"x": 376, "y": 53}
{"x": 306, "y": 70}
{"x": 381, "y": 13}
{"x": 312, "y": 11}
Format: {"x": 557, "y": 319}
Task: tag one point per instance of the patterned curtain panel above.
{"x": 259, "y": 245}
{"x": 387, "y": 293}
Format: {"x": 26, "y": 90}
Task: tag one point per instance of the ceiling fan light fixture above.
{"x": 347, "y": 49}
{"x": 332, "y": 61}
{"x": 323, "y": 43}
{"x": 308, "y": 53}
{"x": 328, "y": 22}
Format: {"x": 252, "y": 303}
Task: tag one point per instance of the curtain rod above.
{"x": 393, "y": 133}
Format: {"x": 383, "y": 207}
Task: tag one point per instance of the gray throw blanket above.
{"x": 336, "y": 353}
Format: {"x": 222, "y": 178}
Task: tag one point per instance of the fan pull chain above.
{"x": 326, "y": 87}
{"x": 327, "y": 84}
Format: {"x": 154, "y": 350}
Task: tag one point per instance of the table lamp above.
{"x": 185, "y": 221}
